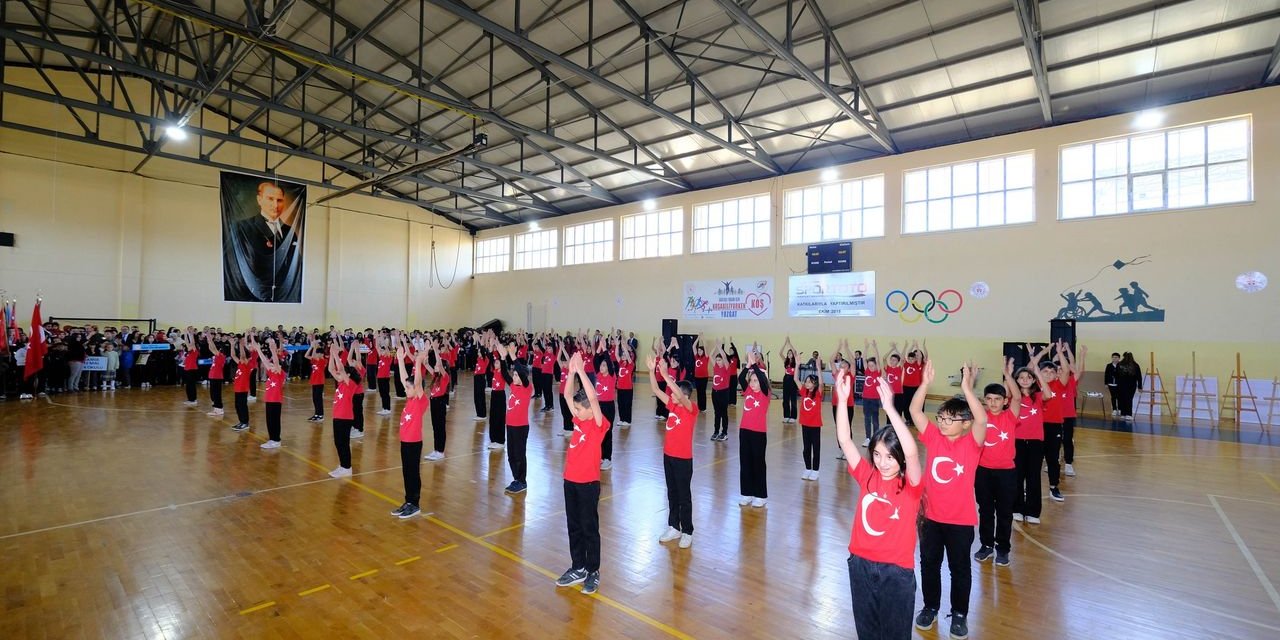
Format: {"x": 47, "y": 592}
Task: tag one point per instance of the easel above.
{"x": 1198, "y": 390}
{"x": 1153, "y": 374}
{"x": 1239, "y": 382}
{"x": 1271, "y": 403}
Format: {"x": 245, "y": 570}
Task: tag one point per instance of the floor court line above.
{"x": 1270, "y": 481}
{"x": 1248, "y": 555}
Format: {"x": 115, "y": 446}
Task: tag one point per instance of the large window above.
{"x": 493, "y": 255}
{"x": 838, "y": 211}
{"x": 536, "y": 249}
{"x": 588, "y": 242}
{"x": 653, "y": 235}
{"x": 742, "y": 223}
{"x": 966, "y": 195}
{"x": 1194, "y": 166}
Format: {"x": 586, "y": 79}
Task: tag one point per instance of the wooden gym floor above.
{"x": 127, "y": 515}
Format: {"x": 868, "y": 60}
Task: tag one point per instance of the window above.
{"x": 493, "y": 255}
{"x": 653, "y": 235}
{"x": 588, "y": 242}
{"x": 1204, "y": 164}
{"x": 837, "y": 211}
{"x": 536, "y": 250}
{"x": 967, "y": 195}
{"x": 731, "y": 224}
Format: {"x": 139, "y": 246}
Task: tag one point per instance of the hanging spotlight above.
{"x": 175, "y": 132}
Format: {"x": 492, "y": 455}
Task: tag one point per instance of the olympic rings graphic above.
{"x": 922, "y": 308}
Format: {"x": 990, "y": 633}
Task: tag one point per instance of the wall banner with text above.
{"x": 738, "y": 299}
{"x": 832, "y": 295}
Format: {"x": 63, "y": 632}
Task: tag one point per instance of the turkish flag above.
{"x": 37, "y": 348}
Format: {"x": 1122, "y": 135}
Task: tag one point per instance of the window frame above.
{"x": 768, "y": 222}
{"x": 553, "y": 250}
{"x": 506, "y": 265}
{"x": 862, "y": 209}
{"x": 608, "y": 224}
{"x": 977, "y": 193}
{"x": 677, "y": 215}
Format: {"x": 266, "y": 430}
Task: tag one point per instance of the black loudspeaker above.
{"x": 1018, "y": 351}
{"x": 495, "y": 325}
{"x": 670, "y": 327}
{"x": 686, "y": 340}
{"x": 6, "y": 239}
{"x": 1064, "y": 330}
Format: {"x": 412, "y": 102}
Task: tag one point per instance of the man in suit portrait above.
{"x": 262, "y": 258}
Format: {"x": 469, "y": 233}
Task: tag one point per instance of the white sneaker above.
{"x": 759, "y": 502}
{"x": 384, "y": 412}
{"x": 477, "y": 418}
{"x": 811, "y": 475}
{"x": 606, "y": 465}
{"x": 1033, "y": 520}
{"x": 253, "y": 398}
{"x": 672, "y": 533}
{"x": 1069, "y": 470}
{"x": 624, "y": 425}
{"x": 340, "y": 472}
{"x": 1017, "y": 517}
{"x": 686, "y": 540}
{"x": 271, "y": 444}
{"x": 190, "y": 403}
{"x": 433, "y": 456}
{"x": 215, "y": 413}
{"x": 26, "y": 396}
{"x": 866, "y": 442}
{"x": 356, "y": 433}
{"x": 495, "y": 446}
{"x": 1115, "y": 412}
{"x": 744, "y": 501}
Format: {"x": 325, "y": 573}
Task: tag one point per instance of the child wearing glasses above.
{"x": 954, "y": 444}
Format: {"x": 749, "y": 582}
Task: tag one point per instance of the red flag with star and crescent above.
{"x": 37, "y": 348}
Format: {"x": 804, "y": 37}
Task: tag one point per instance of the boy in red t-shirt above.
{"x": 1059, "y": 433}
{"x": 274, "y": 392}
{"x": 809, "y": 408}
{"x": 996, "y": 482}
{"x": 582, "y": 479}
{"x": 954, "y": 445}
{"x": 315, "y": 356}
{"x": 677, "y": 454}
{"x": 415, "y": 407}
{"x": 519, "y": 402}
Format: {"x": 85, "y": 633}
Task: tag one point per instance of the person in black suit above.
{"x": 262, "y": 260}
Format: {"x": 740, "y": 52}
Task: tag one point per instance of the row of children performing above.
{"x": 984, "y": 459}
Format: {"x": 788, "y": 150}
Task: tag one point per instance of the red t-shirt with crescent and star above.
{"x": 998, "y": 451}
{"x": 411, "y": 418}
{"x": 582, "y": 457}
{"x": 1031, "y": 418}
{"x": 518, "y": 405}
{"x": 680, "y": 424}
{"x": 948, "y": 477}
{"x": 755, "y": 406}
{"x": 811, "y": 407}
{"x": 884, "y": 524}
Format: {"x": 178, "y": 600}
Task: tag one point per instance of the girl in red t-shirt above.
{"x": 1030, "y": 438}
{"x": 871, "y": 398}
{"x": 497, "y": 394}
{"x": 384, "y": 359}
{"x": 357, "y": 399}
{"x": 216, "y": 373}
{"x": 190, "y": 365}
{"x": 810, "y": 412}
{"x": 582, "y": 479}
{"x": 439, "y": 393}
{"x": 519, "y": 402}
{"x": 753, "y": 433}
{"x": 1060, "y": 420}
{"x": 790, "y": 383}
{"x": 882, "y": 581}
{"x": 479, "y": 381}
{"x": 606, "y": 386}
{"x": 735, "y": 363}
{"x": 625, "y": 383}
{"x": 912, "y": 370}
{"x": 701, "y": 371}
{"x": 240, "y": 384}
{"x": 677, "y": 454}
{"x": 347, "y": 376}
{"x": 315, "y": 357}
{"x": 274, "y": 392}
{"x": 720, "y": 394}
{"x": 415, "y": 406}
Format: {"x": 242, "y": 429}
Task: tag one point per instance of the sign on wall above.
{"x": 741, "y": 299}
{"x": 832, "y": 294}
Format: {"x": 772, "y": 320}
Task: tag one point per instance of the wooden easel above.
{"x": 1153, "y": 374}
{"x": 1271, "y": 404}
{"x": 1198, "y": 390}
{"x": 1235, "y": 390}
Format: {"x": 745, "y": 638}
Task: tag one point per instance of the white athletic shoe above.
{"x": 866, "y": 442}
{"x": 1070, "y": 471}
{"x": 384, "y": 412}
{"x": 433, "y": 456}
{"x": 253, "y": 398}
{"x": 686, "y": 540}
{"x": 744, "y": 501}
{"x": 190, "y": 403}
{"x": 624, "y": 425}
{"x": 26, "y": 396}
{"x": 1033, "y": 520}
{"x": 759, "y": 502}
{"x": 271, "y": 444}
{"x": 477, "y": 418}
{"x": 495, "y": 446}
{"x": 1017, "y": 517}
{"x": 671, "y": 534}
{"x": 810, "y": 475}
{"x": 356, "y": 433}
{"x": 215, "y": 413}
{"x": 606, "y": 465}
{"x": 340, "y": 472}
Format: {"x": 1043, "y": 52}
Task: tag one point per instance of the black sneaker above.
{"x": 924, "y": 619}
{"x": 959, "y": 627}
{"x": 516, "y": 487}
{"x": 571, "y": 577}
{"x": 984, "y": 554}
{"x": 400, "y": 509}
{"x": 1002, "y": 558}
{"x": 1056, "y": 494}
{"x": 592, "y": 583}
{"x": 409, "y": 511}
{"x": 240, "y": 427}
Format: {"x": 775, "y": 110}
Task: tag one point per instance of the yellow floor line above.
{"x": 258, "y": 607}
{"x": 1270, "y": 481}
{"x": 365, "y": 574}
{"x": 315, "y": 590}
{"x": 401, "y": 563}
{"x": 446, "y": 548}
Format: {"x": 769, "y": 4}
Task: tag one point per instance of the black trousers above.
{"x": 273, "y": 420}
{"x": 871, "y": 415}
{"x": 317, "y": 399}
{"x": 399, "y": 384}
{"x": 215, "y": 393}
{"x": 370, "y": 376}
{"x": 537, "y": 382}
{"x": 883, "y": 598}
{"x": 357, "y": 409}
{"x": 1068, "y": 440}
{"x": 902, "y": 402}
{"x": 848, "y": 410}
{"x": 701, "y": 385}
{"x": 955, "y": 541}
{"x": 477, "y": 395}
{"x": 410, "y": 468}
{"x": 1127, "y": 392}
{"x": 242, "y": 407}
{"x": 342, "y": 441}
{"x": 751, "y": 471}
{"x": 253, "y": 383}
{"x": 1052, "y": 448}
{"x": 606, "y": 447}
{"x": 679, "y": 474}
{"x": 438, "y": 406}
{"x": 790, "y": 394}
{"x": 566, "y": 416}
{"x": 1026, "y": 496}
{"x": 1114, "y": 392}
{"x": 812, "y": 437}
{"x": 189, "y": 380}
{"x": 720, "y": 406}
{"x": 517, "y": 441}
{"x": 583, "y": 520}
{"x": 662, "y": 407}
{"x": 384, "y": 392}
{"x": 498, "y": 416}
{"x": 733, "y": 389}
{"x": 549, "y": 390}
{"x": 624, "y": 405}
{"x": 994, "y": 490}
